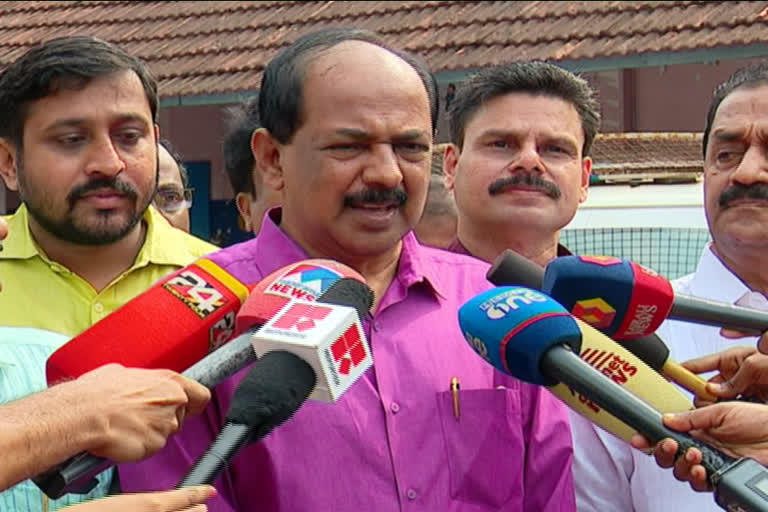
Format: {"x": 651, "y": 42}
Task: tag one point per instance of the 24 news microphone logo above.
{"x": 196, "y": 293}
{"x": 328, "y": 337}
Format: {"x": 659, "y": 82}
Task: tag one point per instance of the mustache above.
{"x": 377, "y": 195}
{"x": 738, "y": 191}
{"x": 112, "y": 183}
{"x": 529, "y": 180}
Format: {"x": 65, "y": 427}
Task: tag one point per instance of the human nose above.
{"x": 103, "y": 158}
{"x": 753, "y": 167}
{"x": 383, "y": 168}
{"x": 527, "y": 159}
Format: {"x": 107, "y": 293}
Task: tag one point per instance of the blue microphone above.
{"x": 530, "y": 336}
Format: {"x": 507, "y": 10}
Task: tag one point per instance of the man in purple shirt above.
{"x": 348, "y": 126}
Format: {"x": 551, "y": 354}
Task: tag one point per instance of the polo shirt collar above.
{"x": 161, "y": 244}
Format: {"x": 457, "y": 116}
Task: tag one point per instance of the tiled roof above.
{"x": 220, "y": 47}
{"x": 633, "y": 157}
{"x": 647, "y": 156}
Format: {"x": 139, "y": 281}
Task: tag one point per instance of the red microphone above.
{"x": 172, "y": 325}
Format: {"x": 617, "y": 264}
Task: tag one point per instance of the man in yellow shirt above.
{"x": 78, "y": 140}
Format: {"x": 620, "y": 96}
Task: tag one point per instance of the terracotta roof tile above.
{"x": 219, "y": 47}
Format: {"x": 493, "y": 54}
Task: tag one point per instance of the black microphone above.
{"x": 268, "y": 395}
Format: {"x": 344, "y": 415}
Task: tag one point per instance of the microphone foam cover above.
{"x": 351, "y": 292}
{"x": 620, "y": 298}
{"x": 513, "y": 269}
{"x": 511, "y": 327}
{"x": 595, "y": 289}
{"x": 272, "y": 391}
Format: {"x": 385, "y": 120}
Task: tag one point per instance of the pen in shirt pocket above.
{"x": 455, "y": 388}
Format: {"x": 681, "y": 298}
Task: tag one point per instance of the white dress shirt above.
{"x": 609, "y": 475}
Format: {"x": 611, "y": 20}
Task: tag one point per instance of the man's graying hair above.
{"x": 281, "y": 95}
{"x": 749, "y": 77}
{"x": 536, "y": 78}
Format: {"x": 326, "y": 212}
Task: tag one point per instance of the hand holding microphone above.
{"x": 736, "y": 428}
{"x": 742, "y": 371}
{"x": 534, "y": 339}
{"x": 121, "y": 413}
{"x": 136, "y": 409}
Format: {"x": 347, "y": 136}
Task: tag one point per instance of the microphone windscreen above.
{"x": 271, "y": 391}
{"x": 536, "y": 322}
{"x": 513, "y": 269}
{"x": 305, "y": 280}
{"x": 620, "y": 298}
{"x": 172, "y": 325}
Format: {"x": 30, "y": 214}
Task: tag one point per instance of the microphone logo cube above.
{"x": 595, "y": 312}
{"x": 327, "y": 336}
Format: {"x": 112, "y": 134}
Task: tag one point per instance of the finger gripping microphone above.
{"x": 512, "y": 269}
{"x": 628, "y": 300}
{"x": 535, "y": 342}
{"x": 267, "y": 396}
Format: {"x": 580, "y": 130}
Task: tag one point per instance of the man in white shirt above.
{"x": 732, "y": 269}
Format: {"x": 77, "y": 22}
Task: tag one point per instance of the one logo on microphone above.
{"x": 611, "y": 365}
{"x": 221, "y": 331}
{"x": 305, "y": 282}
{"x": 499, "y": 305}
{"x": 643, "y": 318}
{"x": 478, "y": 345}
{"x": 301, "y": 317}
{"x": 595, "y": 312}
{"x": 194, "y": 291}
{"x": 348, "y": 351}
{"x": 604, "y": 261}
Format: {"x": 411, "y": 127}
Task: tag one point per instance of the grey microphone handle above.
{"x": 703, "y": 311}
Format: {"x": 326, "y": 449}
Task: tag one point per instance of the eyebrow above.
{"x": 503, "y": 134}
{"x": 78, "y": 121}
{"x": 723, "y": 135}
{"x": 356, "y": 134}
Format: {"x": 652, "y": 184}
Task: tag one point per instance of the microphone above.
{"x": 538, "y": 341}
{"x": 76, "y": 474}
{"x": 267, "y": 396}
{"x": 172, "y": 325}
{"x": 510, "y": 268}
{"x": 597, "y": 350}
{"x": 329, "y": 337}
{"x": 626, "y": 300}
{"x": 320, "y": 340}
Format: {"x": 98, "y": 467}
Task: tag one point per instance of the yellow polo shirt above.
{"x": 38, "y": 292}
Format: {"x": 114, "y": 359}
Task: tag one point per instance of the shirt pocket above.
{"x": 484, "y": 445}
